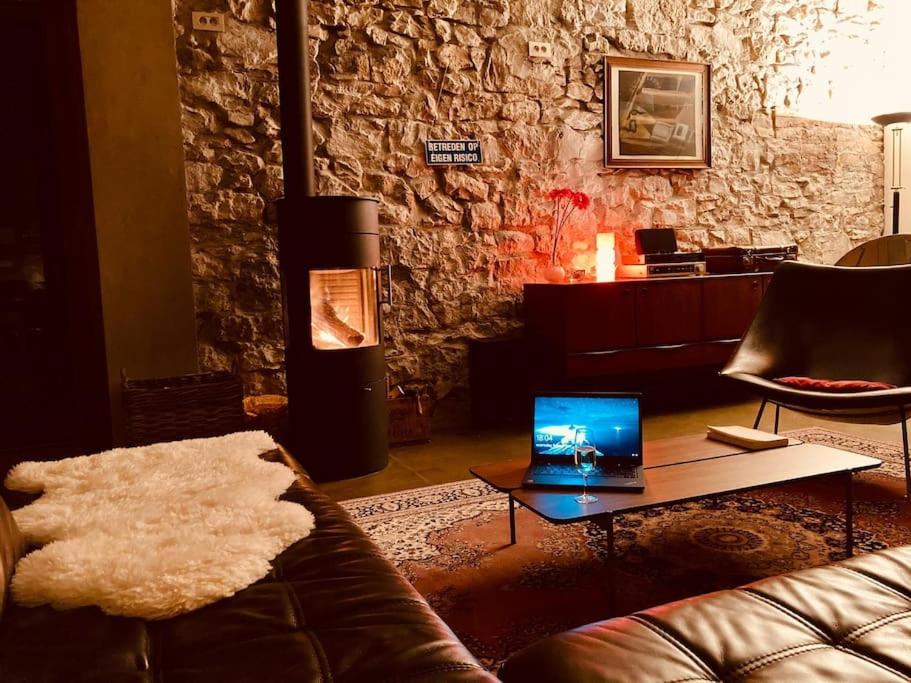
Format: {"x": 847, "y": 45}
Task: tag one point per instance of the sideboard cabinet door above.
{"x": 600, "y": 317}
{"x": 730, "y": 305}
{"x": 669, "y": 312}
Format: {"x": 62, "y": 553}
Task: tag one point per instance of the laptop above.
{"x": 612, "y": 423}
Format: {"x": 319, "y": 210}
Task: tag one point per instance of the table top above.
{"x": 507, "y": 475}
{"x": 680, "y": 470}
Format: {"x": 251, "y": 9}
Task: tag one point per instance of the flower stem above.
{"x": 559, "y": 223}
{"x": 558, "y": 226}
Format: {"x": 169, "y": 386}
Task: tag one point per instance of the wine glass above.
{"x": 584, "y": 455}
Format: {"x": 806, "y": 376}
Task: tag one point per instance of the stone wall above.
{"x": 391, "y": 73}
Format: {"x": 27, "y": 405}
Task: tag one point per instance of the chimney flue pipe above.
{"x": 294, "y": 88}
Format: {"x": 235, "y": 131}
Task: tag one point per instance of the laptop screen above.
{"x": 609, "y": 423}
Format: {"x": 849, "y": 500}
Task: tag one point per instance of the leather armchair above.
{"x": 830, "y": 322}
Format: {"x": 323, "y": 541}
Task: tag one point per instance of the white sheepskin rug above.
{"x": 156, "y": 531}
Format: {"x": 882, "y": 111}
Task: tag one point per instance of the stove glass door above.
{"x": 344, "y": 308}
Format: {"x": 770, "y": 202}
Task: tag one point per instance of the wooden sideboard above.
{"x": 586, "y": 330}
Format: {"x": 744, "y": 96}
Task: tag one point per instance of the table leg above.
{"x": 512, "y": 520}
{"x": 849, "y": 514}
{"x": 611, "y": 568}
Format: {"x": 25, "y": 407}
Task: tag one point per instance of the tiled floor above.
{"x": 450, "y": 454}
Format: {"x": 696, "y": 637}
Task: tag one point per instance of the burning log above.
{"x": 327, "y": 322}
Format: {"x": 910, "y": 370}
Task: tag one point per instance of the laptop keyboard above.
{"x": 622, "y": 473}
{"x": 550, "y": 468}
{"x": 564, "y": 470}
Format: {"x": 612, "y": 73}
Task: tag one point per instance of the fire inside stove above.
{"x": 343, "y": 306}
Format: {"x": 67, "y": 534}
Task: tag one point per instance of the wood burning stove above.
{"x": 335, "y": 361}
{"x": 329, "y": 254}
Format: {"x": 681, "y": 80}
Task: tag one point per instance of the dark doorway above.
{"x": 36, "y": 360}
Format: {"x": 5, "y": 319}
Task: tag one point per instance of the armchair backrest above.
{"x": 890, "y": 250}
{"x": 830, "y": 322}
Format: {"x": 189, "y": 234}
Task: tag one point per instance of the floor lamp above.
{"x": 897, "y": 139}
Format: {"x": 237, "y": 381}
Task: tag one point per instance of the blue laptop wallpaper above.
{"x": 612, "y": 424}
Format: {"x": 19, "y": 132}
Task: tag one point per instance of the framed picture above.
{"x": 657, "y": 113}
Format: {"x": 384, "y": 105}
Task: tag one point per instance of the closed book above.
{"x": 751, "y": 439}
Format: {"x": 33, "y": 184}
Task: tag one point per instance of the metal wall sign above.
{"x": 453, "y": 152}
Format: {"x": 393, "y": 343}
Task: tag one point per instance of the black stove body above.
{"x": 335, "y": 360}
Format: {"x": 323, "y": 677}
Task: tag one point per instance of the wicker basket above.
{"x": 268, "y": 413}
{"x": 408, "y": 421}
{"x": 187, "y": 407}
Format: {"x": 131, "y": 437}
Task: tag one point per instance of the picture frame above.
{"x": 657, "y": 113}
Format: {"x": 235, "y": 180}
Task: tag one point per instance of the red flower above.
{"x": 566, "y": 202}
{"x": 581, "y": 200}
{"x": 562, "y": 193}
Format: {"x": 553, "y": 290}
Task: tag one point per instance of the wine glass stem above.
{"x": 584, "y": 486}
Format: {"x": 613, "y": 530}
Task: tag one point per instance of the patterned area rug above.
{"x": 452, "y": 542}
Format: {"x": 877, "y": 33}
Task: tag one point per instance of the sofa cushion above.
{"x": 10, "y": 551}
{"x": 333, "y": 608}
{"x": 848, "y": 621}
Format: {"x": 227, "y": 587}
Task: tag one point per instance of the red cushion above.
{"x": 833, "y": 385}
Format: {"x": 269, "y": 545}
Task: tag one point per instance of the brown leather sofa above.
{"x": 844, "y": 622}
{"x": 333, "y": 609}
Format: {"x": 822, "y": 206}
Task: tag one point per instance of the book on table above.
{"x": 751, "y": 439}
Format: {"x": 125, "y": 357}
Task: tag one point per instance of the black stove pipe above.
{"x": 294, "y": 87}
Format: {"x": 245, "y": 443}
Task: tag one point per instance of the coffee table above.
{"x": 680, "y": 470}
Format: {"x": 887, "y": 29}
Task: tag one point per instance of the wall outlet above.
{"x": 540, "y": 50}
{"x": 209, "y": 21}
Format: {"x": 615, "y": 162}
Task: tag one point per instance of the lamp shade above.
{"x": 896, "y": 117}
